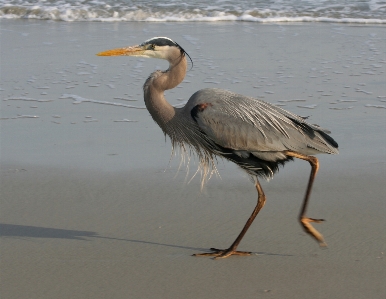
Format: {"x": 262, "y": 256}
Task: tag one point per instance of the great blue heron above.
{"x": 256, "y": 135}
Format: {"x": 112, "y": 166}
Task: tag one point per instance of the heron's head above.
{"x": 156, "y": 47}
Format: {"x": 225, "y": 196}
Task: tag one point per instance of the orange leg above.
{"x": 223, "y": 253}
{"x": 305, "y": 221}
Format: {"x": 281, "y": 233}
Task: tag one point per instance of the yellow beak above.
{"x": 129, "y": 51}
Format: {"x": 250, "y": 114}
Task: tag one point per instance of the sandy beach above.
{"x": 91, "y": 207}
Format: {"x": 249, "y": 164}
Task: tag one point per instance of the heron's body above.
{"x": 254, "y": 134}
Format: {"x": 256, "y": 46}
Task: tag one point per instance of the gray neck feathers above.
{"x": 159, "y": 81}
{"x": 181, "y": 128}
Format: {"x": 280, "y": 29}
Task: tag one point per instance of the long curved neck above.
{"x": 159, "y": 108}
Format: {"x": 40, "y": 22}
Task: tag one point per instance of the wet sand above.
{"x": 92, "y": 208}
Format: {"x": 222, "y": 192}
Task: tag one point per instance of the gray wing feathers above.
{"x": 247, "y": 124}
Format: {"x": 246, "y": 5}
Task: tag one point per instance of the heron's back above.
{"x": 255, "y": 134}
{"x": 245, "y": 123}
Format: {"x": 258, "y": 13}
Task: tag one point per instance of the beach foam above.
{"x": 335, "y": 11}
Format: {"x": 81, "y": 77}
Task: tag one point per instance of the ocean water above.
{"x": 265, "y": 11}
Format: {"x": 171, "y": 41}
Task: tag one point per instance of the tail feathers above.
{"x": 319, "y": 138}
{"x": 329, "y": 139}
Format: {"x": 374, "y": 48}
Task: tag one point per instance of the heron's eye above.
{"x": 152, "y": 47}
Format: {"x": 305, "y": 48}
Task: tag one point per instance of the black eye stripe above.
{"x": 162, "y": 41}
{"x": 159, "y": 42}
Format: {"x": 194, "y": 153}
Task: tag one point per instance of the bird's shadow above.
{"x": 27, "y": 231}
{"x": 23, "y": 231}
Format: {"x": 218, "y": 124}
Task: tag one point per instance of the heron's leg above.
{"x": 223, "y": 253}
{"x": 305, "y": 221}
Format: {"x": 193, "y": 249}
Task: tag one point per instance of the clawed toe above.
{"x": 222, "y": 253}
{"x": 308, "y": 228}
{"x": 315, "y": 220}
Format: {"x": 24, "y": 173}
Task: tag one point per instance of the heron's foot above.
{"x": 306, "y": 223}
{"x": 222, "y": 253}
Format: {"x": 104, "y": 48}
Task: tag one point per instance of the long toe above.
{"x": 306, "y": 223}
{"x": 223, "y": 253}
{"x": 316, "y": 220}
